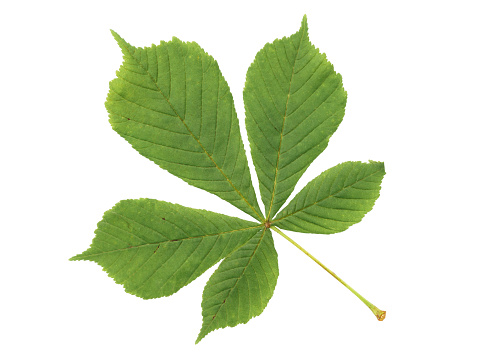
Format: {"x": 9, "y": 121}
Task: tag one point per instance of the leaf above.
{"x": 294, "y": 102}
{"x": 335, "y": 200}
{"x": 154, "y": 248}
{"x": 172, "y": 104}
{"x": 241, "y": 286}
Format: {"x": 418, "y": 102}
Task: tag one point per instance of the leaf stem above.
{"x": 380, "y": 314}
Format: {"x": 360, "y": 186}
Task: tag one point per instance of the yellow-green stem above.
{"x": 380, "y": 314}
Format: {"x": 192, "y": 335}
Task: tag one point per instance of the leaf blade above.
{"x": 154, "y": 248}
{"x": 294, "y": 101}
{"x": 227, "y": 298}
{"x": 335, "y": 200}
{"x": 172, "y": 104}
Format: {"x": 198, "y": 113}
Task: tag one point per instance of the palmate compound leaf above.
{"x": 294, "y": 102}
{"x": 172, "y": 104}
{"x": 154, "y": 248}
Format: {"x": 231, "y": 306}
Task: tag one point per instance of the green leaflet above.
{"x": 172, "y": 104}
{"x": 336, "y": 199}
{"x": 294, "y": 102}
{"x": 154, "y": 248}
{"x": 241, "y": 286}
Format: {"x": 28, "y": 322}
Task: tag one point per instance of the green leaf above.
{"x": 241, "y": 286}
{"x": 172, "y": 104}
{"x": 335, "y": 200}
{"x": 294, "y": 102}
{"x": 154, "y": 248}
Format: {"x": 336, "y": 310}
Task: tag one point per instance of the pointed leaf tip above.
{"x": 115, "y": 34}
{"x": 119, "y": 40}
{"x": 304, "y": 23}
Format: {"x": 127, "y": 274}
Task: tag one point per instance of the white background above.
{"x": 411, "y": 72}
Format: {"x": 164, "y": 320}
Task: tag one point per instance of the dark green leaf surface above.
{"x": 294, "y": 102}
{"x": 241, "y": 286}
{"x": 336, "y": 199}
{"x": 172, "y": 104}
{"x": 154, "y": 248}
